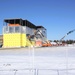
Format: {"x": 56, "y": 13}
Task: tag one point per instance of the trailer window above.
{"x": 6, "y": 30}
{"x": 17, "y": 29}
{"x": 11, "y": 29}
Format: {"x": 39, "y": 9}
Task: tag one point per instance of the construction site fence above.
{"x": 38, "y": 72}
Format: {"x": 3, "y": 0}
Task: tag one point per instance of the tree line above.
{"x": 64, "y": 41}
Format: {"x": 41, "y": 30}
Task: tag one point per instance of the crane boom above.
{"x": 67, "y": 34}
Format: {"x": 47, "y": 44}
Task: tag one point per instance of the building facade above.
{"x": 18, "y": 32}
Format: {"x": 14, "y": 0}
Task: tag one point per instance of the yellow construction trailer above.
{"x": 15, "y": 33}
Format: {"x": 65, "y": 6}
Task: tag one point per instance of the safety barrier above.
{"x": 38, "y": 72}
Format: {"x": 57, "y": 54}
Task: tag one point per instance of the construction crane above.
{"x": 67, "y": 34}
{"x": 60, "y": 41}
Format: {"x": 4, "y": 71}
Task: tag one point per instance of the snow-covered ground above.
{"x": 38, "y": 61}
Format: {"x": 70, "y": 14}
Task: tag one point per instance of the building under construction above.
{"x": 22, "y": 33}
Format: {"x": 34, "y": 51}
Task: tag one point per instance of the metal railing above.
{"x": 37, "y": 72}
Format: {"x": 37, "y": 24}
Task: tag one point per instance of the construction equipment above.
{"x": 67, "y": 34}
{"x": 46, "y": 42}
{"x": 60, "y": 42}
